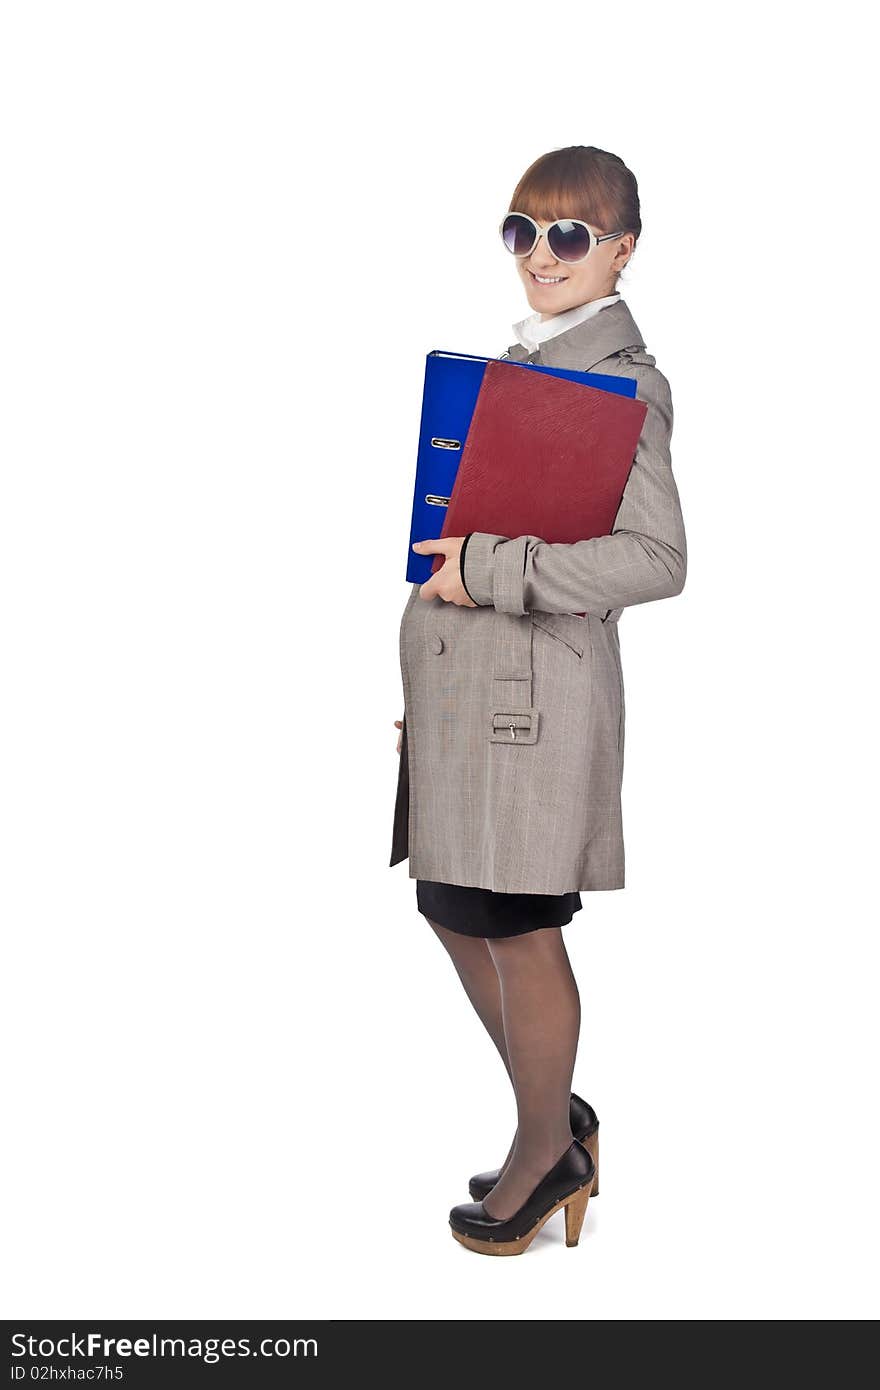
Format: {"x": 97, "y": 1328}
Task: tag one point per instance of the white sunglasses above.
{"x": 568, "y": 238}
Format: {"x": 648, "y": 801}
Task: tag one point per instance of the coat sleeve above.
{"x": 644, "y": 557}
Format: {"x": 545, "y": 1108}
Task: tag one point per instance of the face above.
{"x": 571, "y": 285}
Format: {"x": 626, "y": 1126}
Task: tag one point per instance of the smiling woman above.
{"x": 503, "y": 830}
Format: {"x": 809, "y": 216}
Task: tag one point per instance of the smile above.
{"x": 548, "y": 279}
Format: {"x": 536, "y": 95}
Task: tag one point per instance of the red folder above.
{"x": 544, "y": 457}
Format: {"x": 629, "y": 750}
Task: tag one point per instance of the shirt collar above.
{"x": 532, "y": 331}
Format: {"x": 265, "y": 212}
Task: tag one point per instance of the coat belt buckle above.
{"x": 514, "y": 726}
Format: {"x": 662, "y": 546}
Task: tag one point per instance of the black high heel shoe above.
{"x": 584, "y": 1127}
{"x": 568, "y": 1185}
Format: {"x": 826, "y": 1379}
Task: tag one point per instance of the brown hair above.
{"x": 581, "y": 181}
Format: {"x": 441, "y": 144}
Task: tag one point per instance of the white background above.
{"x": 241, "y": 1078}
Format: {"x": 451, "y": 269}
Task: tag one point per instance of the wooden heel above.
{"x": 591, "y": 1144}
{"x": 575, "y": 1208}
{"x": 575, "y": 1211}
{"x": 568, "y": 1184}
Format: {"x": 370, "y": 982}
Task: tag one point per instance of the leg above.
{"x": 541, "y": 1013}
{"x": 476, "y": 970}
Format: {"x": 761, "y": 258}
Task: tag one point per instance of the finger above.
{"x": 438, "y": 547}
{"x": 429, "y": 588}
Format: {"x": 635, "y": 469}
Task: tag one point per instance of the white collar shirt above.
{"x": 533, "y": 330}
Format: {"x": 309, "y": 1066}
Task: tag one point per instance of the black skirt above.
{"x": 482, "y": 912}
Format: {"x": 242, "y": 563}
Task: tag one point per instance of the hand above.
{"x": 446, "y": 583}
{"x": 398, "y": 724}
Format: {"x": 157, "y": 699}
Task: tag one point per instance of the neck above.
{"x": 604, "y": 295}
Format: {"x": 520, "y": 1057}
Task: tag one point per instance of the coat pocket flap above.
{"x": 565, "y": 627}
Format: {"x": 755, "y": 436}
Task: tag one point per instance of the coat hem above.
{"x": 484, "y": 881}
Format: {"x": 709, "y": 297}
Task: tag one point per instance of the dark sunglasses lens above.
{"x": 518, "y": 234}
{"x": 568, "y": 241}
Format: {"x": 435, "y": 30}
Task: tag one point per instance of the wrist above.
{"x": 461, "y": 555}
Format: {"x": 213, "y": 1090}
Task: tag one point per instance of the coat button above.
{"x": 437, "y": 643}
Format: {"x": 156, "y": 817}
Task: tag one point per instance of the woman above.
{"x": 502, "y": 833}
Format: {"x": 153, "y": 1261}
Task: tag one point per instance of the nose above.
{"x": 542, "y": 258}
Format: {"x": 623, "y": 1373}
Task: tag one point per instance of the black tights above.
{"x": 524, "y": 991}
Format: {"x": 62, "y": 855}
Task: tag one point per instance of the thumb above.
{"x": 431, "y": 547}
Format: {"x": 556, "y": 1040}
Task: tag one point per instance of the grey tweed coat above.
{"x": 511, "y": 761}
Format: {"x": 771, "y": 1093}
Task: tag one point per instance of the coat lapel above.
{"x": 580, "y": 348}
